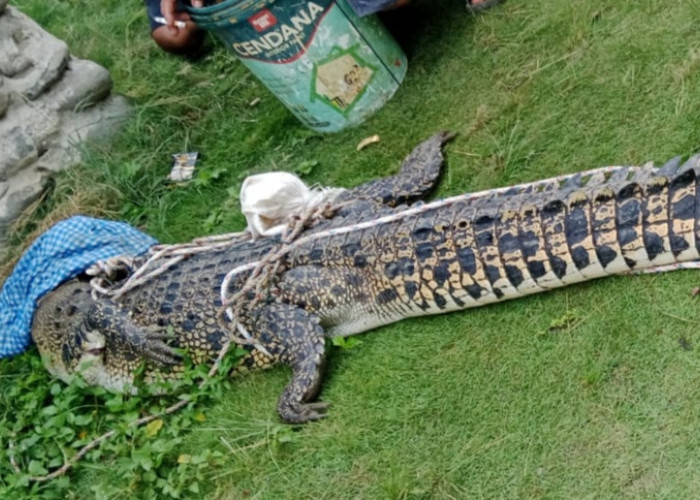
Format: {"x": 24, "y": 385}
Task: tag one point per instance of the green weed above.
{"x": 466, "y": 405}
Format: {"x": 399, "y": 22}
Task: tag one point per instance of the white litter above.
{"x": 268, "y": 200}
{"x": 183, "y": 166}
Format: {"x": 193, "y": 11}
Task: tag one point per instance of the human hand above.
{"x": 171, "y": 14}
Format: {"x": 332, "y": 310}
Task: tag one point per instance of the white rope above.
{"x": 274, "y": 203}
{"x": 163, "y": 257}
{"x": 160, "y": 259}
{"x": 417, "y": 210}
{"x": 677, "y": 266}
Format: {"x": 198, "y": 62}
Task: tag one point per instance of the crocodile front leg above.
{"x": 296, "y": 337}
{"x": 97, "y": 338}
{"x": 130, "y": 340}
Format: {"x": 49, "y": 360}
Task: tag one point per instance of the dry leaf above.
{"x": 367, "y": 141}
{"x": 153, "y": 427}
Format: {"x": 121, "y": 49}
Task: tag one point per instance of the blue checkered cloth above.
{"x": 64, "y": 251}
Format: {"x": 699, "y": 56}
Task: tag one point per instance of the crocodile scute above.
{"x": 383, "y": 257}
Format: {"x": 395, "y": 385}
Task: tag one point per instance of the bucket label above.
{"x": 341, "y": 79}
{"x": 279, "y": 33}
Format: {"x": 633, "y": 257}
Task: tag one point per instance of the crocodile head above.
{"x": 68, "y": 346}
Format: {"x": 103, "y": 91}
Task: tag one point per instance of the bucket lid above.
{"x": 230, "y": 10}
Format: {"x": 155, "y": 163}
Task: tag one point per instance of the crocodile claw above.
{"x": 301, "y": 413}
{"x": 157, "y": 351}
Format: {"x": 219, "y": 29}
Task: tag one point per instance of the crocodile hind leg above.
{"x": 297, "y": 339}
{"x": 419, "y": 174}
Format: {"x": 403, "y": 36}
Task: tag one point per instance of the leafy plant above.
{"x": 52, "y": 422}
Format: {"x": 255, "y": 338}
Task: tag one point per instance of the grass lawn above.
{"x": 587, "y": 392}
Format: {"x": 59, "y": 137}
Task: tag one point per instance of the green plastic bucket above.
{"x": 331, "y": 68}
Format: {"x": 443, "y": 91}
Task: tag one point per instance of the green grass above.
{"x": 586, "y": 392}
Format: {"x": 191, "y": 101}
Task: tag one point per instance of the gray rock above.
{"x": 52, "y": 69}
{"x": 28, "y": 130}
{"x": 26, "y": 187}
{"x": 34, "y": 58}
{"x": 17, "y": 150}
{"x": 100, "y": 124}
{"x": 50, "y": 104}
{"x": 4, "y": 102}
{"x": 12, "y": 61}
{"x": 4, "y": 98}
{"x": 84, "y": 84}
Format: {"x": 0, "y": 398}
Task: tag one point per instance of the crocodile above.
{"x": 384, "y": 256}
